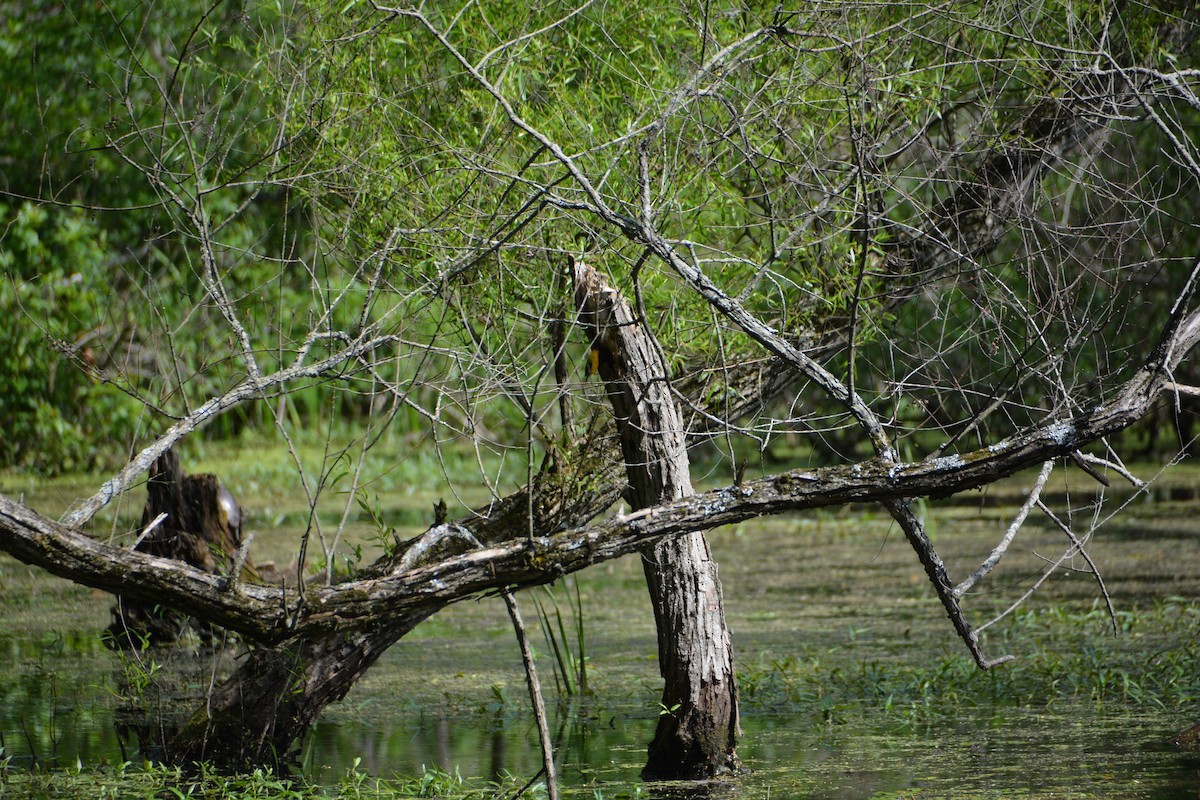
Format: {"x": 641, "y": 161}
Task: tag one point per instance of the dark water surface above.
{"x": 1067, "y": 753}
{"x": 1071, "y": 750}
{"x": 840, "y": 591}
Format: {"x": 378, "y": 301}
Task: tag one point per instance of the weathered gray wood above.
{"x": 188, "y": 518}
{"x": 268, "y": 614}
{"x": 697, "y": 735}
{"x": 337, "y": 631}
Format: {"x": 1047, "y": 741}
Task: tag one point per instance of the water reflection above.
{"x": 477, "y": 748}
{"x": 486, "y": 746}
{"x": 53, "y": 707}
{"x": 724, "y": 789}
{"x": 68, "y": 699}
{"x": 54, "y": 716}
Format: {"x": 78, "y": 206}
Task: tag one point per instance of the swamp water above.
{"x": 853, "y": 685}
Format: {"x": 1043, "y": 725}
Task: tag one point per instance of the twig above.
{"x": 1113, "y": 465}
{"x": 239, "y": 561}
{"x": 1179, "y": 388}
{"x": 535, "y": 694}
{"x": 528, "y": 784}
{"x": 994, "y": 557}
{"x": 1086, "y": 466}
{"x": 1068, "y": 553}
{"x": 146, "y": 531}
{"x": 914, "y": 531}
{"x": 1065, "y": 528}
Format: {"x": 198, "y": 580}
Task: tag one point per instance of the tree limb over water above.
{"x": 918, "y": 244}
{"x": 270, "y": 615}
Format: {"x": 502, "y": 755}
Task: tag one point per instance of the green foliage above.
{"x": 767, "y": 169}
{"x": 567, "y": 639}
{"x": 91, "y": 104}
{"x": 55, "y": 413}
{"x": 339, "y": 168}
{"x": 127, "y": 129}
{"x": 140, "y": 669}
{"x": 128, "y": 781}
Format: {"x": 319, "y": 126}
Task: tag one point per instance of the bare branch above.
{"x": 205, "y": 413}
{"x": 1000, "y": 549}
{"x": 1079, "y": 548}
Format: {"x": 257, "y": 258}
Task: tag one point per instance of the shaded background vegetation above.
{"x": 337, "y": 168}
{"x": 324, "y": 142}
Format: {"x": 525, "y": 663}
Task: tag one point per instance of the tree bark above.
{"x": 189, "y": 518}
{"x": 256, "y": 717}
{"x": 318, "y": 646}
{"x": 698, "y": 727}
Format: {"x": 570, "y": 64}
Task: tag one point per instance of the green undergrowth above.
{"x": 274, "y": 478}
{"x": 1061, "y": 656}
{"x": 1066, "y": 657}
{"x": 149, "y": 782}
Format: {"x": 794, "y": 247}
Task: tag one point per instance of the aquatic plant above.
{"x": 1067, "y": 656}
{"x": 569, "y": 650}
{"x": 128, "y": 781}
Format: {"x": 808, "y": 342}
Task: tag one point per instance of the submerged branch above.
{"x": 935, "y": 569}
{"x": 535, "y": 694}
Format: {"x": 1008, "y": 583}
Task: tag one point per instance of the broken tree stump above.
{"x": 201, "y": 525}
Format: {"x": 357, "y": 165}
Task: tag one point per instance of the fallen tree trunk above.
{"x": 268, "y": 614}
{"x": 323, "y": 639}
